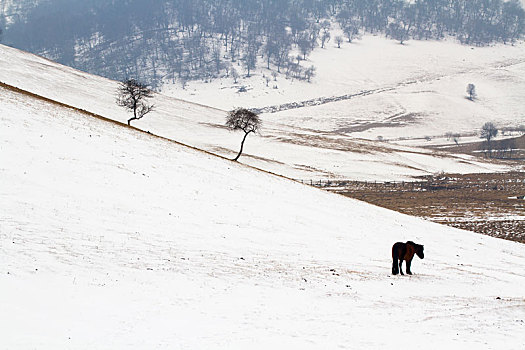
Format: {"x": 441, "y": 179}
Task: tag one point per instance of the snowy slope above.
{"x": 301, "y": 152}
{"x": 115, "y": 239}
{"x": 412, "y": 90}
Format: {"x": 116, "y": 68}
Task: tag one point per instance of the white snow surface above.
{"x": 283, "y": 146}
{"x": 111, "y": 238}
{"x": 414, "y": 90}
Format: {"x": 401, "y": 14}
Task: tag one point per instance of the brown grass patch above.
{"x": 475, "y": 202}
{"x": 474, "y": 148}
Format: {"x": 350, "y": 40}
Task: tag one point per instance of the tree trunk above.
{"x": 242, "y": 145}
{"x": 134, "y": 114}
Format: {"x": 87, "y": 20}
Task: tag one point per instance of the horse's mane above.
{"x": 419, "y": 246}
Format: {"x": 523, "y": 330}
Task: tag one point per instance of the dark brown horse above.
{"x": 405, "y": 251}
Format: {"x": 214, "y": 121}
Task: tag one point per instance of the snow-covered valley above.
{"x": 401, "y": 91}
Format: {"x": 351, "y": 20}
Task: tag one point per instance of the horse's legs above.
{"x": 409, "y": 262}
{"x": 401, "y": 266}
{"x": 395, "y": 269}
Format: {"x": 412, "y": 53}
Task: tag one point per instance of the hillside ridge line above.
{"x": 116, "y": 122}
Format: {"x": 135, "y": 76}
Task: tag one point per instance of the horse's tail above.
{"x": 395, "y": 258}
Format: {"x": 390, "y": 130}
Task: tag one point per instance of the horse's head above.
{"x": 419, "y": 251}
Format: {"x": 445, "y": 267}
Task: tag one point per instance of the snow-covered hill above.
{"x": 113, "y": 238}
{"x": 402, "y": 91}
{"x": 287, "y": 147}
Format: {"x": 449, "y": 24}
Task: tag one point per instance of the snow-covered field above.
{"x": 114, "y": 239}
{"x": 413, "y": 90}
{"x": 287, "y": 147}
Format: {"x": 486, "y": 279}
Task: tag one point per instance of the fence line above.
{"x": 429, "y": 183}
{"x": 342, "y": 183}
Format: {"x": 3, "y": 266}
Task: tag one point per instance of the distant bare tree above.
{"x": 511, "y": 146}
{"x": 133, "y": 96}
{"x": 235, "y": 75}
{"x": 305, "y": 45}
{"x": 245, "y": 120}
{"x": 351, "y": 30}
{"x": 456, "y": 138}
{"x": 267, "y": 79}
{"x": 471, "y": 91}
{"x": 488, "y": 132}
{"x": 339, "y": 40}
{"x": 283, "y": 51}
{"x": 309, "y": 73}
{"x": 325, "y": 37}
{"x": 505, "y": 148}
{"x": 249, "y": 60}
{"x": 400, "y": 28}
{"x": 183, "y": 82}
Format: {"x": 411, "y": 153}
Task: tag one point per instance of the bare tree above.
{"x": 488, "y": 132}
{"x": 183, "y": 82}
{"x": 250, "y": 61}
{"x": 505, "y": 148}
{"x": 283, "y": 51}
{"x": 133, "y": 96}
{"x": 309, "y": 73}
{"x": 325, "y": 37}
{"x": 235, "y": 75}
{"x": 305, "y": 45}
{"x": 339, "y": 40}
{"x": 456, "y": 138}
{"x": 351, "y": 30}
{"x": 511, "y": 146}
{"x": 245, "y": 120}
{"x": 401, "y": 28}
{"x": 471, "y": 91}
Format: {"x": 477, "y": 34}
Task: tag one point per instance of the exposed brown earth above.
{"x": 485, "y": 203}
{"x": 498, "y": 149}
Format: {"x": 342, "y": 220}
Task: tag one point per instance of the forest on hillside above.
{"x": 180, "y": 40}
